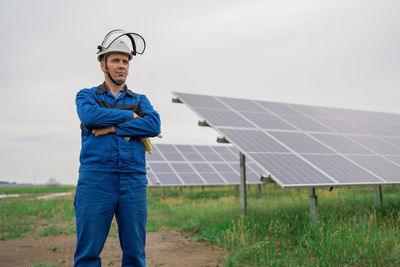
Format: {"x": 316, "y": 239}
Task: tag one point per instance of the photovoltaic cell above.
{"x": 212, "y": 178}
{"x": 186, "y": 148}
{"x": 341, "y": 169}
{"x": 253, "y": 141}
{"x": 383, "y": 168}
{"x": 301, "y": 142}
{"x": 267, "y": 121}
{"x": 395, "y": 159}
{"x": 169, "y": 178}
{"x": 347, "y": 114}
{"x": 166, "y": 148}
{"x": 241, "y": 104}
{"x": 192, "y": 156}
{"x": 306, "y": 124}
{"x": 219, "y": 117}
{"x": 339, "y": 126}
{"x": 290, "y": 170}
{"x": 395, "y": 141}
{"x": 182, "y": 167}
{"x": 191, "y": 178}
{"x": 200, "y": 101}
{"x": 211, "y": 156}
{"x": 173, "y": 156}
{"x": 278, "y": 108}
{"x": 222, "y": 167}
{"x": 341, "y": 144}
{"x": 376, "y": 145}
{"x": 312, "y": 111}
{"x": 371, "y": 127}
{"x": 226, "y": 154}
{"x": 155, "y": 156}
{"x": 203, "y": 167}
{"x": 161, "y": 167}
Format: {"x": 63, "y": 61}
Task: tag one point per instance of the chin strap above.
{"x": 108, "y": 73}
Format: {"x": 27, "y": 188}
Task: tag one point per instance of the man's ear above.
{"x": 103, "y": 66}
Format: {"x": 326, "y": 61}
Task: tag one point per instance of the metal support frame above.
{"x": 204, "y": 124}
{"x": 222, "y": 140}
{"x": 378, "y": 189}
{"x": 243, "y": 196}
{"x": 259, "y": 195}
{"x": 313, "y": 207}
{"x": 176, "y": 100}
{"x": 162, "y": 192}
{"x": 181, "y": 192}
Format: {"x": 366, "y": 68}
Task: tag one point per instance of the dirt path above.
{"x": 163, "y": 249}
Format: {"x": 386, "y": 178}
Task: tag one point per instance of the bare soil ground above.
{"x": 164, "y": 249}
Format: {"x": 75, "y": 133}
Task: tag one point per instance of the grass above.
{"x": 19, "y": 216}
{"x": 36, "y": 189}
{"x": 351, "y": 231}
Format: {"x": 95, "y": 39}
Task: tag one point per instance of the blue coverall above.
{"x": 112, "y": 174}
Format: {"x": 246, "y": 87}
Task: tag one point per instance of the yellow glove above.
{"x": 146, "y": 142}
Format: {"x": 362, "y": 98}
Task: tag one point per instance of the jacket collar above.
{"x": 102, "y": 88}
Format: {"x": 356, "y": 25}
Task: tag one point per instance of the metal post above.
{"x": 202, "y": 188}
{"x": 162, "y": 192}
{"x": 378, "y": 189}
{"x": 313, "y": 207}
{"x": 259, "y": 191}
{"x": 191, "y": 190}
{"x": 181, "y": 192}
{"x": 243, "y": 196}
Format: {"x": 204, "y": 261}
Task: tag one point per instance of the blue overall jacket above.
{"x": 99, "y": 108}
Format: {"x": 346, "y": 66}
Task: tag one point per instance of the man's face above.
{"x": 118, "y": 66}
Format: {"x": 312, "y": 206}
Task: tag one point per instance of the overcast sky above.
{"x": 340, "y": 53}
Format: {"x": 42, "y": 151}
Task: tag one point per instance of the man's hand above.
{"x": 103, "y": 131}
{"x": 135, "y": 116}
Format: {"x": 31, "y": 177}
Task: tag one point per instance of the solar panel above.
{"x": 299, "y": 145}
{"x": 177, "y": 165}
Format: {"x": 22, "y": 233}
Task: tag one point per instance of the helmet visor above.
{"x": 138, "y": 44}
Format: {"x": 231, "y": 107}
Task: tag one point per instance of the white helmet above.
{"x": 116, "y": 41}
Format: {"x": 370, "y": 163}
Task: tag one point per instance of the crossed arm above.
{"x": 121, "y": 122}
{"x": 107, "y": 130}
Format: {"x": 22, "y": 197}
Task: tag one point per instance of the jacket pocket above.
{"x": 138, "y": 153}
{"x": 96, "y": 150}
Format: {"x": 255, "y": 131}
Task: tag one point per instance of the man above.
{"x": 112, "y": 174}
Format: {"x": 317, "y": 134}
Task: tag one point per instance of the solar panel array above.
{"x": 300, "y": 145}
{"x": 179, "y": 165}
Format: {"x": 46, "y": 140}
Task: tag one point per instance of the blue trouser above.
{"x": 98, "y": 197}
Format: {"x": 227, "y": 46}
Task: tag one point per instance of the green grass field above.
{"x": 351, "y": 231}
